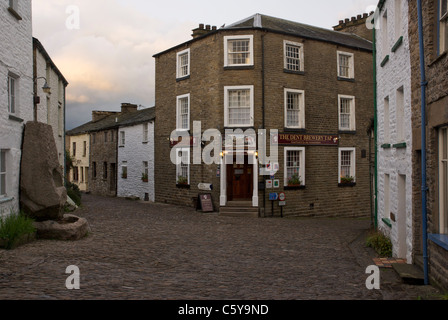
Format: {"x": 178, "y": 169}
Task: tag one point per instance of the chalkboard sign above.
{"x": 205, "y": 203}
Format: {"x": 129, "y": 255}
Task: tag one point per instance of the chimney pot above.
{"x": 214, "y": 28}
{"x": 359, "y": 16}
{"x": 341, "y": 21}
{"x": 207, "y": 27}
{"x": 201, "y": 26}
{"x": 347, "y": 20}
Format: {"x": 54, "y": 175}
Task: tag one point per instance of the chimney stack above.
{"x": 128, "y": 107}
{"x": 202, "y": 30}
{"x": 356, "y": 25}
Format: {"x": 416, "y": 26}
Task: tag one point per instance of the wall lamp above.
{"x": 47, "y": 90}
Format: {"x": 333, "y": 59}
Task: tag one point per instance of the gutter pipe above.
{"x": 424, "y": 84}
{"x": 375, "y": 125}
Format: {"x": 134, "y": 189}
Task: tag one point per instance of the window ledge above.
{"x": 16, "y": 119}
{"x": 294, "y": 187}
{"x": 347, "y": 131}
{"x": 346, "y": 79}
{"x": 397, "y": 44}
{"x": 440, "y": 57}
{"x": 182, "y": 78}
{"x": 6, "y": 199}
{"x": 242, "y": 67}
{"x": 302, "y": 73}
{"x": 385, "y": 60}
{"x": 14, "y": 13}
{"x": 183, "y": 186}
{"x": 387, "y": 222}
{"x": 347, "y": 185}
{"x": 439, "y": 239}
{"x": 296, "y": 130}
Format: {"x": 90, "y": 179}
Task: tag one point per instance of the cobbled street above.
{"x": 146, "y": 251}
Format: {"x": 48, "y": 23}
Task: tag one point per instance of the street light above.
{"x": 46, "y": 89}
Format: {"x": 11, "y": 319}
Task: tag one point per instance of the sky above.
{"x": 105, "y": 48}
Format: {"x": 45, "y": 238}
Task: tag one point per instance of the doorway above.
{"x": 240, "y": 180}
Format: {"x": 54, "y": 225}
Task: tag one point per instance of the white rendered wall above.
{"x": 135, "y": 152}
{"x": 396, "y": 73}
{"x": 16, "y": 57}
{"x": 51, "y": 108}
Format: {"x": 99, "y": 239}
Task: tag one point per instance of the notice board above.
{"x": 205, "y": 203}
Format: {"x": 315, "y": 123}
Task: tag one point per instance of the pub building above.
{"x": 305, "y": 94}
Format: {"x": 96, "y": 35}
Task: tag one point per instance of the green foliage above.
{"x": 73, "y": 192}
{"x": 294, "y": 181}
{"x": 13, "y": 227}
{"x": 182, "y": 180}
{"x": 381, "y": 244}
{"x": 347, "y": 179}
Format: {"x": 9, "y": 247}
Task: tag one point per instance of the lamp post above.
{"x": 46, "y": 89}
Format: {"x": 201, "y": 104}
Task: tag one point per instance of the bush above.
{"x": 73, "y": 192}
{"x": 13, "y": 227}
{"x": 381, "y": 244}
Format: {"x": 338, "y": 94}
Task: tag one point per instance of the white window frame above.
{"x": 352, "y": 112}
{"x": 301, "y": 121}
{"x": 122, "y": 138}
{"x": 3, "y": 174}
{"x": 386, "y": 122}
{"x": 351, "y": 67}
{"x": 443, "y": 181}
{"x": 179, "y": 125}
{"x": 301, "y": 64}
{"x": 227, "y": 89}
{"x": 443, "y": 27}
{"x": 179, "y": 72}
{"x": 12, "y": 94}
{"x": 180, "y": 163}
{"x": 226, "y": 50}
{"x": 301, "y": 151}
{"x": 145, "y": 132}
{"x": 352, "y": 163}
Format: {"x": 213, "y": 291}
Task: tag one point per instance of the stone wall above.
{"x": 104, "y": 154}
{"x": 322, "y": 195}
{"x": 437, "y": 101}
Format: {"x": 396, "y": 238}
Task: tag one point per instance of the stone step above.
{"x": 409, "y": 273}
{"x": 239, "y": 212}
{"x": 245, "y": 204}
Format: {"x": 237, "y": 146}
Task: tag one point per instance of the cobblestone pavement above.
{"x": 151, "y": 251}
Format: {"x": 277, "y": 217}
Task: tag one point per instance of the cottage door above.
{"x": 240, "y": 181}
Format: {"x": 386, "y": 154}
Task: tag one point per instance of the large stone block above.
{"x": 42, "y": 192}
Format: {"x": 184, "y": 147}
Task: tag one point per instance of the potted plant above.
{"x": 182, "y": 180}
{"x": 347, "y": 180}
{"x": 144, "y": 177}
{"x": 294, "y": 181}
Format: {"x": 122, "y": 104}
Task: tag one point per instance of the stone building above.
{"x": 16, "y": 95}
{"x": 313, "y": 86}
{"x": 435, "y": 85}
{"x": 50, "y": 105}
{"x": 136, "y": 155}
{"x": 395, "y": 140}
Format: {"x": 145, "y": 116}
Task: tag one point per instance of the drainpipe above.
{"x": 263, "y": 111}
{"x": 375, "y": 102}
{"x": 423, "y": 128}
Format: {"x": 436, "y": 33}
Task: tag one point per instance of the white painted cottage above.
{"x": 136, "y": 155}
{"x": 394, "y": 197}
{"x": 16, "y": 94}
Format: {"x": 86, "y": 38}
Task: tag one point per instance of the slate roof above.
{"x": 302, "y": 30}
{"x": 264, "y": 22}
{"x": 114, "y": 121}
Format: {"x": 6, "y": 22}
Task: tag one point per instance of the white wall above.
{"x": 134, "y": 153}
{"x": 16, "y": 57}
{"x": 394, "y": 74}
{"x": 51, "y": 108}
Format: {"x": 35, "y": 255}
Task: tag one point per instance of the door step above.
{"x": 239, "y": 209}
